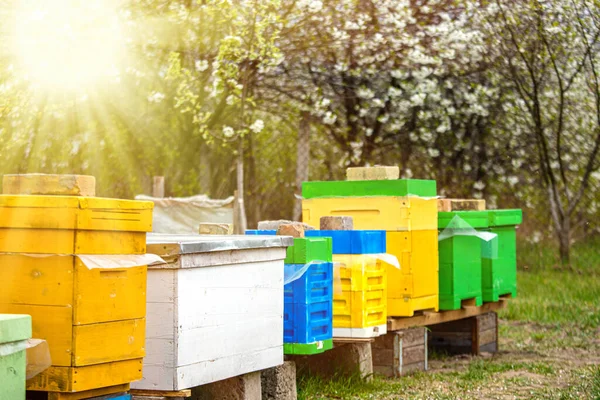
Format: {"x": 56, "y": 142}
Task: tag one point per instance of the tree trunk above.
{"x": 564, "y": 240}
{"x": 302, "y": 160}
{"x": 240, "y": 224}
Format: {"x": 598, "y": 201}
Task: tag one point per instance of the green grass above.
{"x": 585, "y": 255}
{"x": 550, "y": 342}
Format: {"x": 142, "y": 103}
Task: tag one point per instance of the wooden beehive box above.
{"x": 214, "y": 310}
{"x": 92, "y": 318}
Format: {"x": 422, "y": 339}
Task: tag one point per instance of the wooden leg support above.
{"x": 473, "y": 335}
{"x": 401, "y": 352}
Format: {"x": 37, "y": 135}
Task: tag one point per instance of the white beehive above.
{"x": 214, "y": 310}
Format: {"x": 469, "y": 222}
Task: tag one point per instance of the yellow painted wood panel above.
{"x": 30, "y": 217}
{"x": 107, "y": 242}
{"x": 78, "y": 379}
{"x": 109, "y": 294}
{"x": 36, "y": 280}
{"x": 359, "y": 309}
{"x": 384, "y": 213}
{"x": 51, "y": 323}
{"x": 25, "y": 201}
{"x": 88, "y": 394}
{"x": 115, "y": 220}
{"x": 40, "y": 241}
{"x": 358, "y": 272}
{"x": 418, "y": 276}
{"x": 108, "y": 341}
{"x": 65, "y": 212}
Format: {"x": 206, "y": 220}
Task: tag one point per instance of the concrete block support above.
{"x": 243, "y": 387}
{"x": 351, "y": 359}
{"x": 473, "y": 335}
{"x": 401, "y": 352}
{"x": 279, "y": 383}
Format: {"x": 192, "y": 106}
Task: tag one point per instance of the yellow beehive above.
{"x": 92, "y": 319}
{"x": 379, "y": 212}
{"x": 359, "y": 300}
{"x": 411, "y": 225}
{"x": 415, "y": 285}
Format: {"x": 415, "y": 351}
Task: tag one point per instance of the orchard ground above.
{"x": 549, "y": 343}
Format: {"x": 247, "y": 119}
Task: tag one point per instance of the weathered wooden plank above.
{"x": 488, "y": 336}
{"x": 413, "y": 337}
{"x": 413, "y": 354}
{"x": 487, "y": 321}
{"x": 49, "y": 184}
{"x": 161, "y": 393}
{"x": 433, "y": 318}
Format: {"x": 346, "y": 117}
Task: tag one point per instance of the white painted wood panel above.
{"x": 160, "y": 352}
{"x": 257, "y": 274}
{"x": 215, "y": 370}
{"x": 160, "y": 286}
{"x": 230, "y": 257}
{"x": 160, "y": 320}
{"x": 156, "y": 377}
{"x": 222, "y": 307}
{"x": 235, "y": 339}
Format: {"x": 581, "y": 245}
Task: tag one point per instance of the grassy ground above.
{"x": 549, "y": 344}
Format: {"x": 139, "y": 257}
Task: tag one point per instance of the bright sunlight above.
{"x": 67, "y": 44}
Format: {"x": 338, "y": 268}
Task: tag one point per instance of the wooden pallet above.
{"x": 87, "y": 394}
{"x": 431, "y": 318}
{"x": 139, "y": 394}
{"x": 338, "y": 341}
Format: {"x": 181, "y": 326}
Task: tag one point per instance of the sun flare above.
{"x": 67, "y": 44}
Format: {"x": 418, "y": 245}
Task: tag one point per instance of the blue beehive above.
{"x": 308, "y": 300}
{"x": 354, "y": 242}
{"x": 307, "y": 323}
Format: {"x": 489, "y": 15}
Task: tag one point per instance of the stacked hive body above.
{"x": 14, "y": 330}
{"x": 406, "y": 210}
{"x": 92, "y": 318}
{"x": 308, "y": 300}
{"x": 359, "y": 302}
{"x": 460, "y": 257}
{"x": 215, "y": 309}
{"x": 499, "y": 274}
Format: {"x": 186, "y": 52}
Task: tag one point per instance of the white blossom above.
{"x": 257, "y": 126}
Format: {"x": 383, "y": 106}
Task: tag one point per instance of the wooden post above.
{"x": 158, "y": 186}
{"x": 302, "y": 162}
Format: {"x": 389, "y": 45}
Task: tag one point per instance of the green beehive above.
{"x": 499, "y": 275}
{"x": 460, "y": 257}
{"x": 14, "y": 330}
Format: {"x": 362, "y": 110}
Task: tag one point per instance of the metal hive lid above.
{"x": 171, "y": 244}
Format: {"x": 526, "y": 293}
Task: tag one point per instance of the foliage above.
{"x": 426, "y": 85}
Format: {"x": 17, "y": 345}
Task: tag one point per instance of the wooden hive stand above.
{"x": 405, "y": 348}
